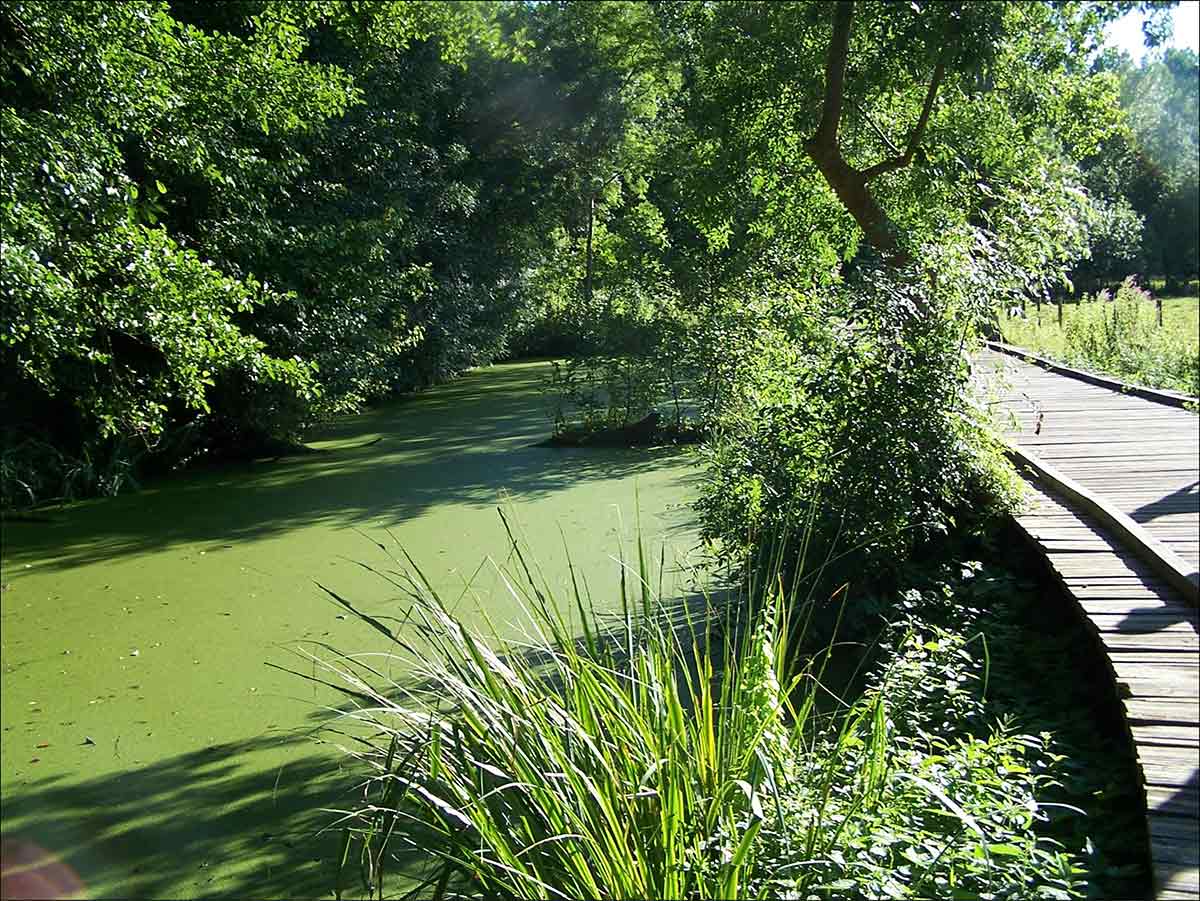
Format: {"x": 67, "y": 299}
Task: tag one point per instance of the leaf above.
{"x": 841, "y": 885}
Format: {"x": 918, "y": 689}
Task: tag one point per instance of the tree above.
{"x": 114, "y": 320}
{"x": 1161, "y": 99}
{"x": 984, "y": 93}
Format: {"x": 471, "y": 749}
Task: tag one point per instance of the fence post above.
{"x": 1158, "y": 310}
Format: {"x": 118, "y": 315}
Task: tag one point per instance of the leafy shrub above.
{"x": 626, "y": 369}
{"x": 678, "y": 359}
{"x": 853, "y": 416}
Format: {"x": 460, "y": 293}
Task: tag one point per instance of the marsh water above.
{"x": 147, "y": 743}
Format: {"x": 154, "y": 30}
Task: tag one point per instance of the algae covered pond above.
{"x": 145, "y": 740}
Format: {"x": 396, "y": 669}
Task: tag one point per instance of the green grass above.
{"x": 686, "y": 752}
{"x": 1119, "y": 337}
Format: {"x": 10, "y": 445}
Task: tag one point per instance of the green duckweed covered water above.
{"x": 146, "y": 742}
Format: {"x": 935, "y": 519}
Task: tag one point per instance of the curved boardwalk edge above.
{"x": 1158, "y": 395}
{"x": 1151, "y": 637}
{"x": 1172, "y": 568}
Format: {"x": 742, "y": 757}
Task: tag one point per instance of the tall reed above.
{"x": 667, "y": 751}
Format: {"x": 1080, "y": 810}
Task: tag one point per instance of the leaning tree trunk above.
{"x": 854, "y": 193}
{"x": 852, "y": 186}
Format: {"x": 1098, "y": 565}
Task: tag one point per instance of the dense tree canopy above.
{"x": 1143, "y": 178}
{"x": 222, "y": 221}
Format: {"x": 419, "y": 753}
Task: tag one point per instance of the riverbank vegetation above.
{"x": 779, "y": 227}
{"x": 371, "y": 197}
{"x": 709, "y": 749}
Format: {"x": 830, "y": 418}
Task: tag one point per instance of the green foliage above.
{"x": 105, "y": 308}
{"x": 679, "y": 363}
{"x": 1120, "y": 335}
{"x": 1012, "y": 97}
{"x": 685, "y": 753}
{"x": 853, "y": 417}
{"x": 1150, "y": 168}
{"x": 222, "y": 221}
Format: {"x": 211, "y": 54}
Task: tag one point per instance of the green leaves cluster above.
{"x": 853, "y": 431}
{"x": 221, "y": 221}
{"x": 116, "y": 325}
{"x": 1146, "y": 173}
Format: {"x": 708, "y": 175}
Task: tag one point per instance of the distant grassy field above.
{"x": 1120, "y": 337}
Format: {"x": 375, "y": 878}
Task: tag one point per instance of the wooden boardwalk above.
{"x": 1142, "y": 456}
{"x": 1144, "y": 459}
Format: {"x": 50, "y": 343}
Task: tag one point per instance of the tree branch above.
{"x": 914, "y": 138}
{"x": 879, "y": 131}
{"x": 835, "y": 75}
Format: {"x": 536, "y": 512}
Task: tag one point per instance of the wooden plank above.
{"x": 1171, "y": 755}
{"x": 1084, "y": 590}
{"x": 1182, "y": 830}
{"x": 1155, "y": 686}
{"x": 1177, "y": 882}
{"x": 1175, "y": 848}
{"x": 1184, "y": 801}
{"x": 1127, "y": 605}
{"x": 1168, "y": 774}
{"x": 1142, "y": 623}
{"x": 1160, "y": 710}
{"x": 1160, "y": 643}
{"x": 1168, "y": 736}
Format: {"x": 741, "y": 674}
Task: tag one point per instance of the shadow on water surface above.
{"x": 458, "y": 444}
{"x": 203, "y": 823}
{"x": 221, "y": 820}
{"x": 239, "y": 818}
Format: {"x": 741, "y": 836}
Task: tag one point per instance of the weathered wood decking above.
{"x": 1144, "y": 459}
{"x": 1142, "y": 456}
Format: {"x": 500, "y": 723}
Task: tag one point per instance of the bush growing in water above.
{"x": 853, "y": 413}
{"x": 679, "y": 360}
{"x": 682, "y": 756}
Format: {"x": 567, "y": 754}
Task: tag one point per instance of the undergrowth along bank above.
{"x": 688, "y": 751}
{"x": 1119, "y": 335}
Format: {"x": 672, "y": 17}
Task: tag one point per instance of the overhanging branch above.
{"x": 879, "y": 131}
{"x": 914, "y": 138}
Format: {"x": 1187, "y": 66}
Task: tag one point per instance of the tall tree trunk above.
{"x": 587, "y": 278}
{"x": 852, "y": 186}
{"x": 851, "y": 189}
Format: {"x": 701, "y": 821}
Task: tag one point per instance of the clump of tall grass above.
{"x": 674, "y": 752}
{"x": 1119, "y": 334}
{"x": 34, "y": 472}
